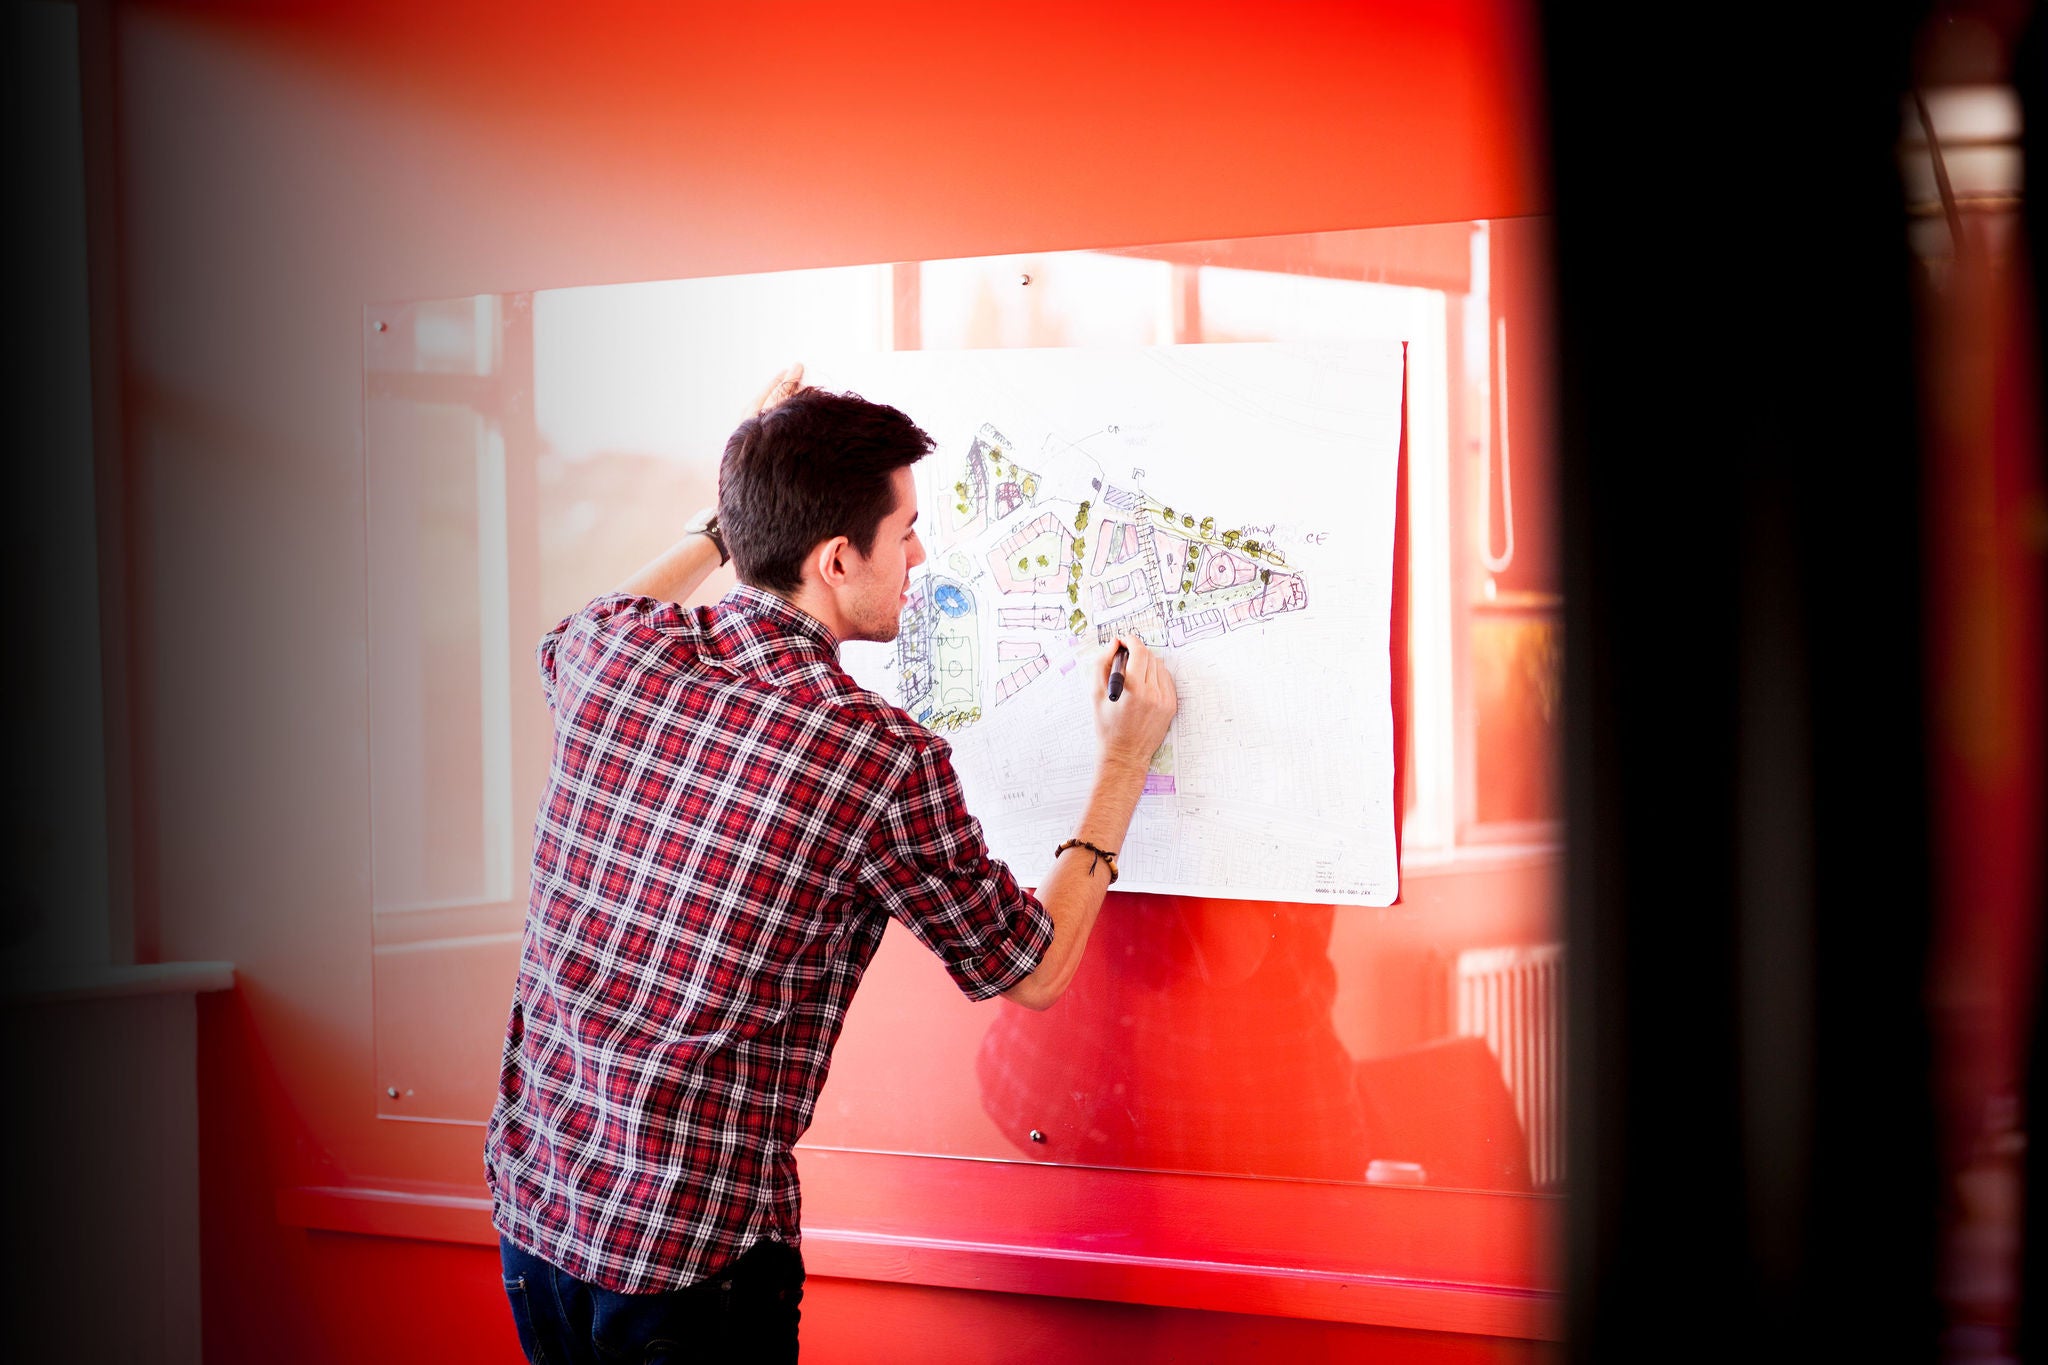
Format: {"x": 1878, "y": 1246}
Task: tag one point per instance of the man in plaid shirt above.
{"x": 728, "y": 824}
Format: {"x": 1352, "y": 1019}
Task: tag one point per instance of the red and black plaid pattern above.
{"x": 728, "y": 821}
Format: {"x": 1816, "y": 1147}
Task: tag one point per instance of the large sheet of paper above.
{"x": 1231, "y": 504}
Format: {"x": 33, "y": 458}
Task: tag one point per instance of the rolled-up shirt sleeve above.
{"x": 930, "y": 868}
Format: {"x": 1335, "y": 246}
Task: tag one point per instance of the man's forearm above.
{"x": 1107, "y": 817}
{"x": 1072, "y": 892}
{"x": 676, "y": 572}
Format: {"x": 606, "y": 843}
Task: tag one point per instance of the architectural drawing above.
{"x": 1232, "y": 506}
{"x": 1165, "y": 577}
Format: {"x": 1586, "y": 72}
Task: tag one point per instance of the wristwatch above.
{"x": 705, "y": 524}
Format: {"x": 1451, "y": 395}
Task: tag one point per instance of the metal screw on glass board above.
{"x": 1023, "y": 279}
{"x": 382, "y": 325}
{"x": 1037, "y": 1136}
{"x": 392, "y": 1091}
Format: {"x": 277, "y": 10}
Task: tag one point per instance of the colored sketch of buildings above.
{"x": 1055, "y": 564}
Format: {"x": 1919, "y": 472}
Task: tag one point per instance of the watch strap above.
{"x": 707, "y": 526}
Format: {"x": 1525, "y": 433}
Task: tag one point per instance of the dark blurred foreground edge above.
{"x": 2033, "y": 87}
{"x": 1753, "y": 1160}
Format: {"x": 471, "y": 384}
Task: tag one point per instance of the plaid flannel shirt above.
{"x": 728, "y": 823}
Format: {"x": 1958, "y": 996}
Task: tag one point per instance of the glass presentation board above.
{"x": 525, "y": 452}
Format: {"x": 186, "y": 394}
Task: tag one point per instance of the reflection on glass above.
{"x": 636, "y": 388}
{"x": 454, "y": 336}
{"x": 1230, "y": 1038}
{"x": 1256, "y": 305}
{"x": 1145, "y": 1061}
{"x": 445, "y": 728}
{"x": 441, "y": 770}
{"x": 1517, "y": 664}
{"x": 1077, "y": 298}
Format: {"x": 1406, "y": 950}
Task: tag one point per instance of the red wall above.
{"x": 279, "y": 166}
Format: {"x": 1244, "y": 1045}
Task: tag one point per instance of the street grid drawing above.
{"x": 1252, "y": 547}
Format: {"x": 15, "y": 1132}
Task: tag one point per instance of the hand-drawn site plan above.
{"x": 1233, "y": 506}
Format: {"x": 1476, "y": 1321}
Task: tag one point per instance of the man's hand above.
{"x": 785, "y": 383}
{"x": 1134, "y": 726}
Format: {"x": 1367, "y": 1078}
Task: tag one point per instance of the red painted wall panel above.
{"x": 278, "y": 166}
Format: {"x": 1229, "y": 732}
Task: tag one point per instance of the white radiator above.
{"x": 1514, "y": 999}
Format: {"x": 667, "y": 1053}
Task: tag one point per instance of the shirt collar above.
{"x": 745, "y": 597}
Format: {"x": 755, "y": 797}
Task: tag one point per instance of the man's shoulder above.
{"x": 788, "y": 662}
{"x": 830, "y": 687}
{"x": 797, "y": 664}
{"x": 865, "y": 707}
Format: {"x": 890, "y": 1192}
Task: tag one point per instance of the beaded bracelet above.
{"x": 1101, "y": 855}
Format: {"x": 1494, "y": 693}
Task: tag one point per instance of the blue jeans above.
{"x": 746, "y": 1312}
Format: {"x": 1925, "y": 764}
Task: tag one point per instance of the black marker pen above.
{"x": 1116, "y": 671}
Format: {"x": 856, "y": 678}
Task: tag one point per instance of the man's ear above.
{"x": 830, "y": 560}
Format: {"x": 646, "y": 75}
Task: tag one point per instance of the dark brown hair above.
{"x": 816, "y": 466}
